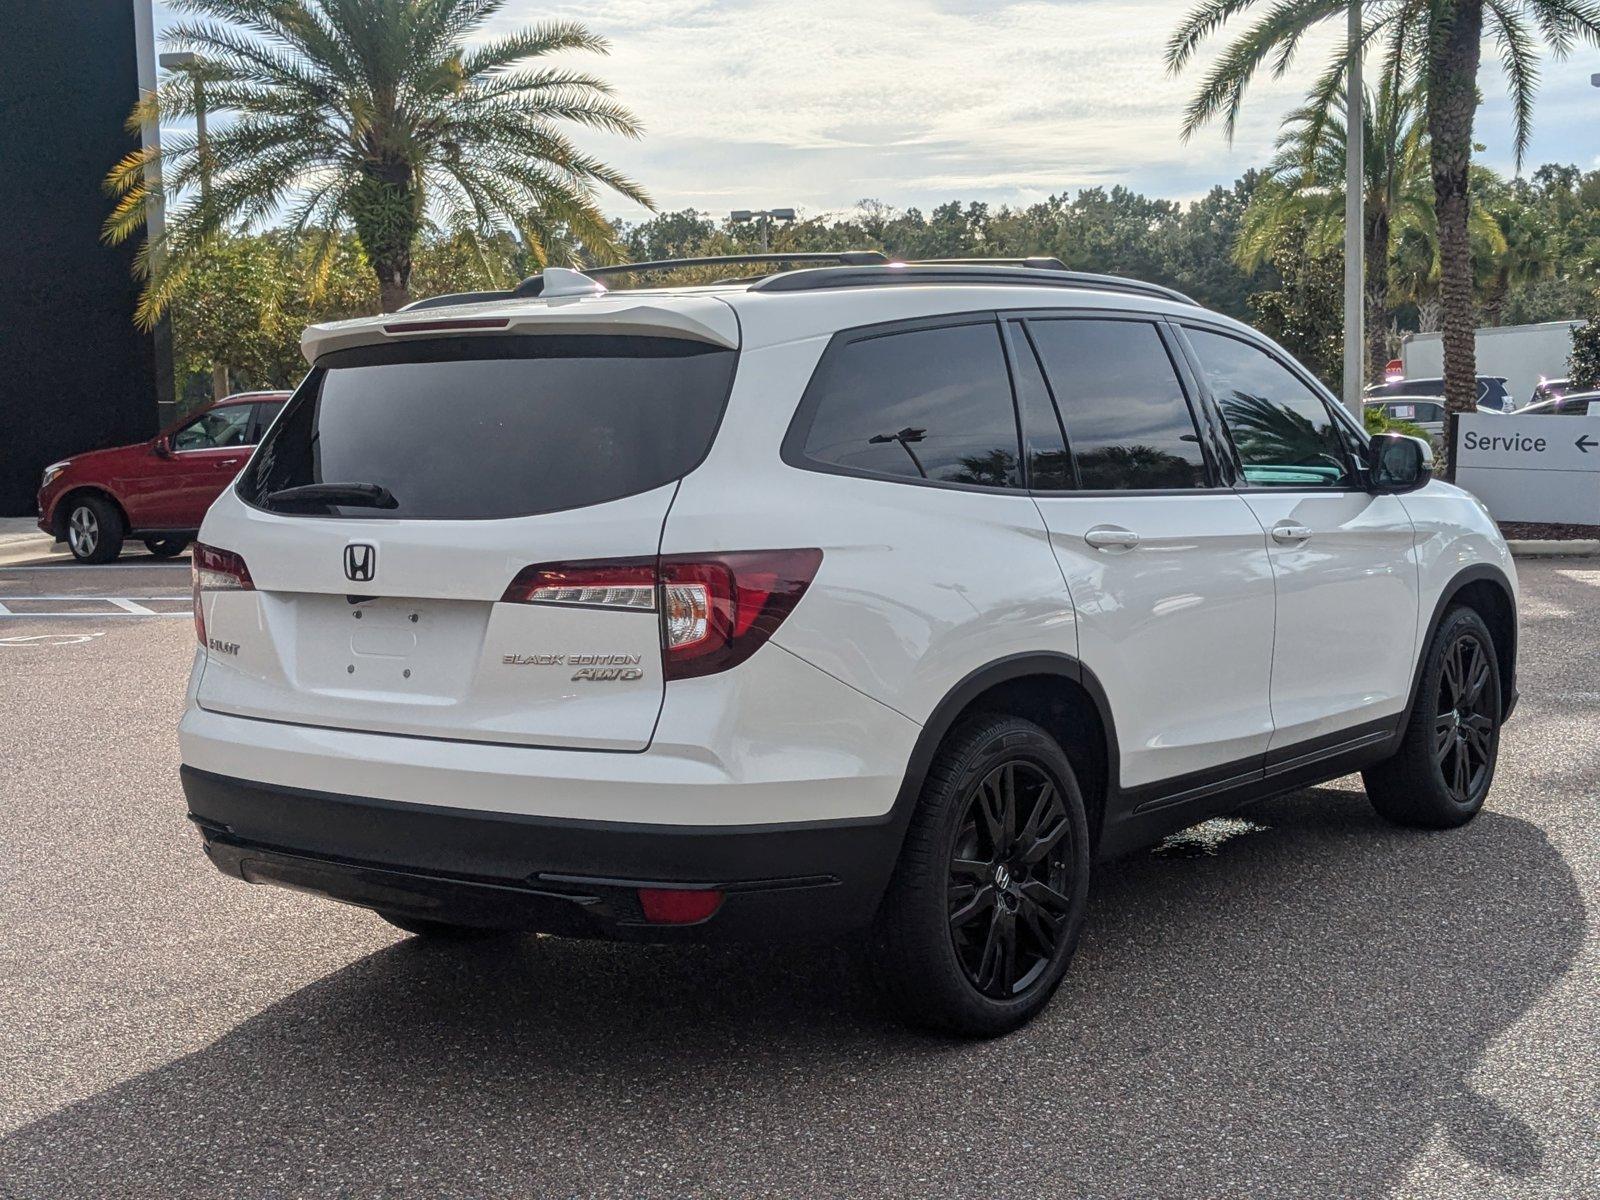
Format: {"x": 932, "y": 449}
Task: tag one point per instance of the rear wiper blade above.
{"x": 354, "y": 495}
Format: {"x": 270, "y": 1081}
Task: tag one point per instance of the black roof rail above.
{"x": 454, "y": 298}
{"x": 1037, "y": 263}
{"x": 964, "y": 271}
{"x": 534, "y": 284}
{"x": 853, "y": 268}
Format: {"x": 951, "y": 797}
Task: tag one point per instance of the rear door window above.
{"x": 1128, "y": 423}
{"x": 1284, "y": 433}
{"x": 265, "y": 412}
{"x": 931, "y": 404}
{"x": 504, "y": 426}
{"x": 215, "y": 430}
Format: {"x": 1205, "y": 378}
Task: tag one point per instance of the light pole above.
{"x": 144, "y": 37}
{"x": 1354, "y": 185}
{"x": 186, "y": 61}
{"x": 763, "y": 218}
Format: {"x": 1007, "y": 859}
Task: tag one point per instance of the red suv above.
{"x": 156, "y": 491}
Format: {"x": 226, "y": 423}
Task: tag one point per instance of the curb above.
{"x": 1549, "y": 548}
{"x": 20, "y": 550}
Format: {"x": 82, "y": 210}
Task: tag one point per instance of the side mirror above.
{"x": 161, "y": 447}
{"x": 1397, "y": 463}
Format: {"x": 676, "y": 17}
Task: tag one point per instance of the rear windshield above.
{"x": 493, "y": 426}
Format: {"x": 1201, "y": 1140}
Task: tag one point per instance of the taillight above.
{"x": 213, "y": 570}
{"x": 628, "y": 583}
{"x": 716, "y": 609}
{"x": 719, "y": 609}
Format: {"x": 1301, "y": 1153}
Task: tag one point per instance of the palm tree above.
{"x": 374, "y": 116}
{"x": 1305, "y": 191}
{"x": 1414, "y": 255}
{"x": 1436, "y": 42}
{"x": 1526, "y": 250}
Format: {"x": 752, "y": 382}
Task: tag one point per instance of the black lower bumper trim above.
{"x": 576, "y": 878}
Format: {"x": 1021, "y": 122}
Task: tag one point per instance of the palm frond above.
{"x": 1519, "y": 58}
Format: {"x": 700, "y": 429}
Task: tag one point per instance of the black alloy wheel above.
{"x": 983, "y": 912}
{"x": 1464, "y": 727}
{"x": 1443, "y": 766}
{"x": 1009, "y": 879}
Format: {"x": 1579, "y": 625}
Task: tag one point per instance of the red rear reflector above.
{"x": 213, "y": 570}
{"x": 674, "y": 906}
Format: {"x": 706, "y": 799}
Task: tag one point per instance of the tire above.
{"x": 167, "y": 547}
{"x": 1445, "y": 765}
{"x": 441, "y": 931}
{"x": 94, "y": 529}
{"x": 954, "y": 976}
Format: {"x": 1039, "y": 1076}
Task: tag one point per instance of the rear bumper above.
{"x": 575, "y": 878}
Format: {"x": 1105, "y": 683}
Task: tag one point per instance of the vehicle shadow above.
{"x": 1290, "y": 1011}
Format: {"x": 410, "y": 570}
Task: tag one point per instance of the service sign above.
{"x": 1534, "y": 468}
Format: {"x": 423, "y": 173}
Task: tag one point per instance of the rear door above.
{"x": 1343, "y": 560}
{"x": 492, "y": 577}
{"x": 1167, "y": 568}
{"x": 206, "y": 455}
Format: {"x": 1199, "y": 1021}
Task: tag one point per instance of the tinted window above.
{"x": 1128, "y": 424}
{"x": 1574, "y": 406}
{"x": 218, "y": 428}
{"x": 496, "y": 426}
{"x": 265, "y": 413}
{"x": 1043, "y": 446}
{"x": 1285, "y": 435}
{"x": 925, "y": 404}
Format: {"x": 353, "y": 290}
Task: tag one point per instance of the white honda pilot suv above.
{"x": 865, "y": 597}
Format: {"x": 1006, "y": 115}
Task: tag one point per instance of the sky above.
{"x": 818, "y": 104}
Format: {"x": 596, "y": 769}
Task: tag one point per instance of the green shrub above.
{"x": 1583, "y": 367}
{"x": 1378, "y": 421}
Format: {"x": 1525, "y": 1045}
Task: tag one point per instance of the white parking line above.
{"x": 126, "y": 606}
{"x": 120, "y": 566}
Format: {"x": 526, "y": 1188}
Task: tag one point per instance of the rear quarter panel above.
{"x": 918, "y": 587}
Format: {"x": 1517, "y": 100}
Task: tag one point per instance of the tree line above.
{"x": 1536, "y": 256}
{"x": 394, "y": 134}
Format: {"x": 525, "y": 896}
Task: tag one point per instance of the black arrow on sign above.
{"x": 1584, "y": 442}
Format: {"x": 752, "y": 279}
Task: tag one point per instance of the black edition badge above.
{"x": 360, "y": 562}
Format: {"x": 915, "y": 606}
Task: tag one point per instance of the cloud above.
{"x": 820, "y": 103}
{"x": 831, "y": 100}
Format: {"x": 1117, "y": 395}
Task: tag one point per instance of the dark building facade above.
{"x": 75, "y": 373}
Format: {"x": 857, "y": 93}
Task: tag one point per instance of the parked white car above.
{"x": 1569, "y": 404}
{"x": 866, "y": 597}
{"x": 1425, "y": 412}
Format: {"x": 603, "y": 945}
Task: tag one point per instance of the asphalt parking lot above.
{"x": 1308, "y": 1004}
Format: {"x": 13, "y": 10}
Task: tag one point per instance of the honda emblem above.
{"x": 360, "y": 562}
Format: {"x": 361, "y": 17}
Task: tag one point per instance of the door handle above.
{"x": 1287, "y": 534}
{"x": 1111, "y": 537}
{"x": 229, "y": 462}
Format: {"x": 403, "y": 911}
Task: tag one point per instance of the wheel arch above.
{"x": 1484, "y": 588}
{"x": 1053, "y": 690}
{"x": 59, "y": 514}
